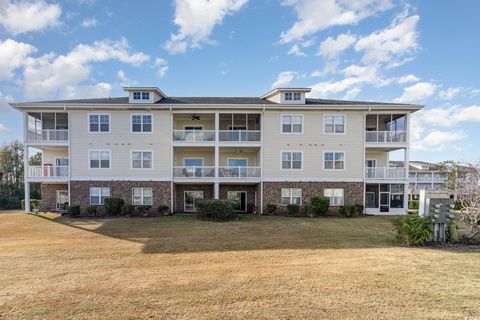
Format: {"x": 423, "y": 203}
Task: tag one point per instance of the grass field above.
{"x": 258, "y": 268}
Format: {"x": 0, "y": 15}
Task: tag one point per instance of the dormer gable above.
{"x": 287, "y": 95}
{"x": 144, "y": 94}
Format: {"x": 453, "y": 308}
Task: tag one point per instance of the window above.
{"x": 142, "y": 196}
{"x": 291, "y": 196}
{"x": 141, "y": 95}
{"x": 334, "y": 161}
{"x": 99, "y": 159}
{"x": 145, "y": 95}
{"x": 98, "y": 195}
{"x": 288, "y": 96}
{"x": 142, "y": 159}
{"x": 292, "y": 124}
{"x": 137, "y": 95}
{"x": 334, "y": 124}
{"x": 396, "y": 195}
{"x": 99, "y": 123}
{"x": 292, "y": 160}
{"x": 335, "y": 196}
{"x": 141, "y": 123}
{"x": 297, "y": 96}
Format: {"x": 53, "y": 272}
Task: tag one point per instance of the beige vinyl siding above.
{"x": 380, "y": 156}
{"x": 252, "y": 156}
{"x": 207, "y": 124}
{"x": 207, "y": 154}
{"x": 313, "y": 142}
{"x": 120, "y": 141}
{"x": 49, "y": 155}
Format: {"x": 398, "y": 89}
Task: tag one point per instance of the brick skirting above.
{"x": 49, "y": 195}
{"x": 272, "y": 191}
{"x": 80, "y": 191}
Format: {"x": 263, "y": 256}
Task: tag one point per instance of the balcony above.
{"x": 239, "y": 172}
{"x": 193, "y": 136}
{"x": 47, "y": 135}
{"x": 193, "y": 172}
{"x": 384, "y": 173}
{"x": 239, "y": 136}
{"x": 52, "y": 172}
{"x": 386, "y": 137}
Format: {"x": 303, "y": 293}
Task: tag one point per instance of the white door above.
{"x": 61, "y": 199}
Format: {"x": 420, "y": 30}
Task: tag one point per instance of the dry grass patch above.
{"x": 260, "y": 267}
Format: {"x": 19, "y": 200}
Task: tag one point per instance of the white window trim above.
{"x": 291, "y": 151}
{"x": 99, "y": 114}
{"x": 131, "y": 123}
{"x": 100, "y": 195}
{"x": 141, "y": 169}
{"x": 292, "y": 115}
{"x": 335, "y": 151}
{"x": 228, "y": 159}
{"x": 291, "y": 197}
{"x": 142, "y": 196}
{"x": 109, "y": 159}
{"x": 343, "y": 198}
{"x": 192, "y": 158}
{"x": 335, "y": 115}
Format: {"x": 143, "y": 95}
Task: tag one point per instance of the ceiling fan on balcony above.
{"x": 195, "y": 117}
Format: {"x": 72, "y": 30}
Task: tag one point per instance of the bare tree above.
{"x": 463, "y": 179}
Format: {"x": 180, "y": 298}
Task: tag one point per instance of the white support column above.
{"x": 260, "y": 210}
{"x": 25, "y": 179}
{"x": 216, "y": 187}
{"x": 172, "y": 185}
{"x": 407, "y": 173}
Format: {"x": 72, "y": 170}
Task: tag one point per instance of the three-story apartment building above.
{"x": 281, "y": 148}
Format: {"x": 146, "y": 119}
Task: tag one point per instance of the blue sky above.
{"x": 408, "y": 51}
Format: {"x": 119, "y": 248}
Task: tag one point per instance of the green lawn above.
{"x": 52, "y": 267}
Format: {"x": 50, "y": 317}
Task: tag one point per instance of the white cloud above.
{"x": 89, "y": 23}
{"x": 284, "y": 78}
{"x": 124, "y": 80}
{"x": 329, "y": 67}
{"x": 162, "y": 67}
{"x": 449, "y": 93}
{"x": 196, "y": 20}
{"x": 4, "y": 129}
{"x": 417, "y": 92}
{"x": 13, "y": 55}
{"x": 331, "y": 48}
{"x": 408, "y": 78}
{"x": 438, "y": 140}
{"x": 64, "y": 75}
{"x": 449, "y": 116}
{"x": 352, "y": 93}
{"x": 317, "y": 15}
{"x": 296, "y": 51}
{"x": 24, "y": 16}
{"x": 4, "y": 102}
{"x": 391, "y": 44}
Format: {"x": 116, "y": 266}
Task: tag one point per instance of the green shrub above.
{"x": 310, "y": 211}
{"x": 162, "y": 209}
{"x": 143, "y": 210}
{"x": 320, "y": 205}
{"x": 346, "y": 211}
{"x": 34, "y": 204}
{"x": 92, "y": 211}
{"x": 413, "y": 229}
{"x": 216, "y": 210}
{"x": 413, "y": 204}
{"x": 293, "y": 209}
{"x": 127, "y": 210}
{"x": 457, "y": 205}
{"x": 74, "y": 211}
{"x": 358, "y": 209}
{"x": 113, "y": 206}
{"x": 271, "y": 208}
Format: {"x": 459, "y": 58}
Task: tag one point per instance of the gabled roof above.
{"x": 277, "y": 90}
{"x": 156, "y": 89}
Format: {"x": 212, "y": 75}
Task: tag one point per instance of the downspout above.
{"x": 262, "y": 129}
{"x": 172, "y": 202}
{"x": 364, "y": 156}
{"x": 69, "y": 156}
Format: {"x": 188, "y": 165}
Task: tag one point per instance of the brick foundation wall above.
{"x": 80, "y": 191}
{"x": 181, "y": 188}
{"x": 252, "y": 192}
{"x": 272, "y": 191}
{"x": 49, "y": 195}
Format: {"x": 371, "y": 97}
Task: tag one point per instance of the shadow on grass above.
{"x": 180, "y": 234}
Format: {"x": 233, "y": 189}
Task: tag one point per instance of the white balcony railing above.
{"x": 386, "y": 137}
{"x": 240, "y": 135}
{"x": 48, "y": 171}
{"x": 47, "y": 135}
{"x": 384, "y": 173}
{"x": 194, "y": 172}
{"x": 193, "y": 135}
{"x": 239, "y": 172}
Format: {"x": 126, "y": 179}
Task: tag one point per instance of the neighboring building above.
{"x": 422, "y": 175}
{"x": 280, "y": 148}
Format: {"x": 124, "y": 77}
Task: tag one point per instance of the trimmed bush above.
{"x": 413, "y": 204}
{"x": 413, "y": 229}
{"x": 293, "y": 209}
{"x": 127, "y": 210}
{"x": 216, "y": 210}
{"x": 271, "y": 208}
{"x": 114, "y": 206}
{"x": 92, "y": 211}
{"x": 143, "y": 210}
{"x": 320, "y": 206}
{"x": 310, "y": 211}
{"x": 34, "y": 204}
{"x": 74, "y": 211}
{"x": 358, "y": 209}
{"x": 162, "y": 209}
{"x": 347, "y": 211}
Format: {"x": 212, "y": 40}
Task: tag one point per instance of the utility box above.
{"x": 429, "y": 194}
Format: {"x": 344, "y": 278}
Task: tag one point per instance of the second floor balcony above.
{"x": 385, "y": 173}
{"x": 386, "y": 129}
{"x": 48, "y": 171}
{"x": 209, "y": 172}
